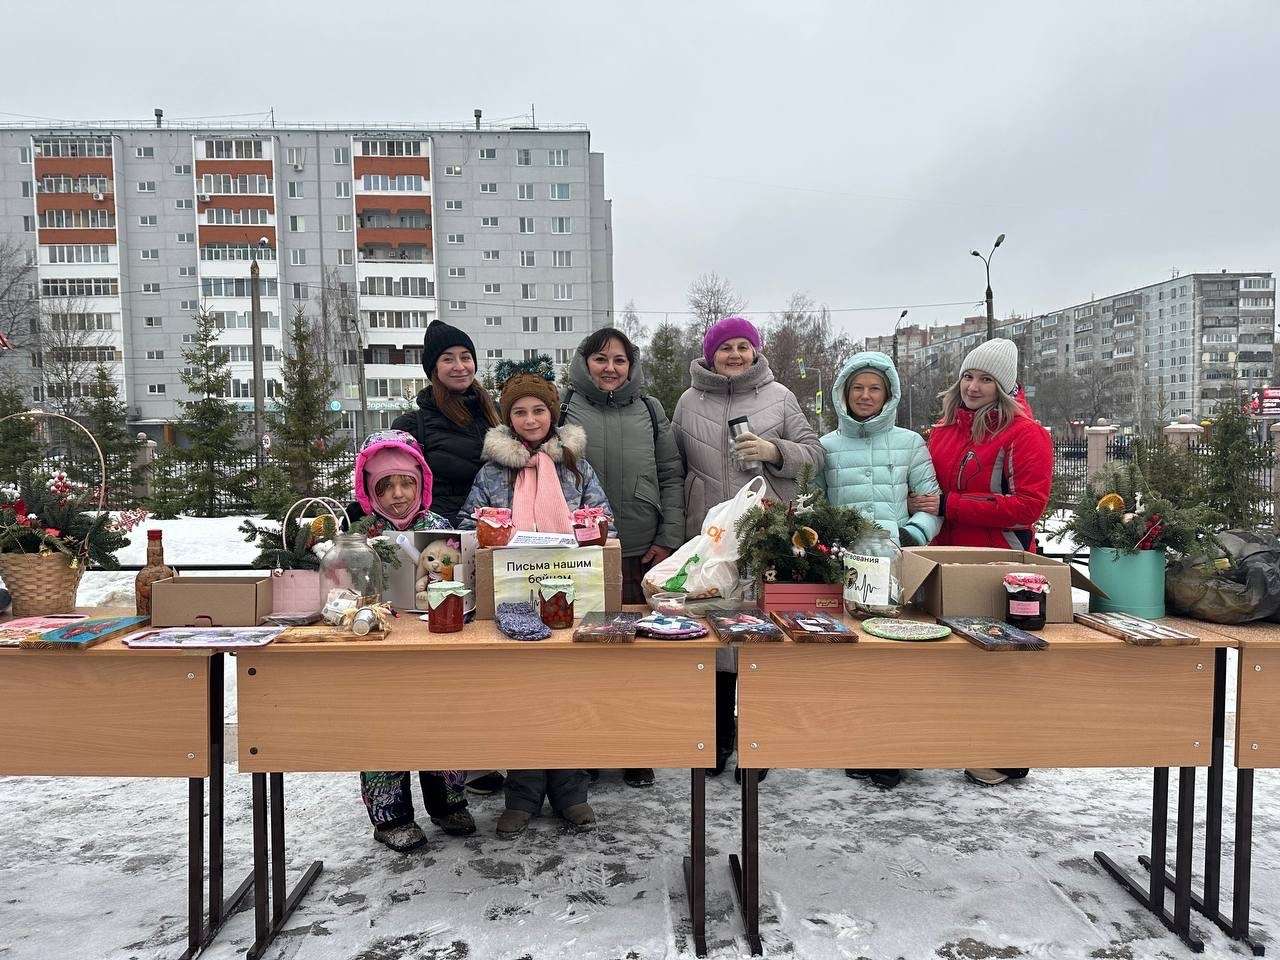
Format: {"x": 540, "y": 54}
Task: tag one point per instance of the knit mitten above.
{"x": 520, "y": 621}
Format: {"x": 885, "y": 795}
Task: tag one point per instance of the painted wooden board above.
{"x": 72, "y": 714}
{"x": 1258, "y": 706}
{"x": 527, "y": 706}
{"x": 938, "y": 706}
{"x": 1138, "y": 631}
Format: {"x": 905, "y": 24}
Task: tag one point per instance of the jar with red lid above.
{"x": 445, "y": 600}
{"x": 1026, "y": 600}
{"x": 555, "y": 602}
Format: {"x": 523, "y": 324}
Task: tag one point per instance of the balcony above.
{"x": 403, "y": 252}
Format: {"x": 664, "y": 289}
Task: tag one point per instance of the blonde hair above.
{"x": 989, "y": 420}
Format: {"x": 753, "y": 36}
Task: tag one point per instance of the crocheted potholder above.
{"x": 891, "y": 629}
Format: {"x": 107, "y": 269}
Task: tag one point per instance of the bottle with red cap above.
{"x": 153, "y": 571}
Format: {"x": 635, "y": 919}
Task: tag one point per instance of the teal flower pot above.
{"x": 1134, "y": 582}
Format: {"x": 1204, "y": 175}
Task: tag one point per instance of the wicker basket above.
{"x": 41, "y": 584}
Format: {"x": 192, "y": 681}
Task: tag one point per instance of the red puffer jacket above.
{"x": 996, "y": 490}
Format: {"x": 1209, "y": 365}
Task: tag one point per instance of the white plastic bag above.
{"x": 707, "y": 566}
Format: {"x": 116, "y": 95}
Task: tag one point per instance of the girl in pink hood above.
{"x": 392, "y": 480}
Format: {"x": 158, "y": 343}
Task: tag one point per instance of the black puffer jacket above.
{"x": 453, "y": 452}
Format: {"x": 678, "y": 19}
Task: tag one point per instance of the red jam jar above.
{"x": 445, "y": 606}
{"x": 555, "y": 602}
{"x": 1026, "y": 600}
{"x": 494, "y": 527}
{"x": 595, "y": 535}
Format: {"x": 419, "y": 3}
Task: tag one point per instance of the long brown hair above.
{"x": 987, "y": 421}
{"x": 455, "y": 408}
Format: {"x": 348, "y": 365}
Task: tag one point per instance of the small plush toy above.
{"x": 435, "y": 562}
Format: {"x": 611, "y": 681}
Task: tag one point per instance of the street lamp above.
{"x": 902, "y": 316}
{"x": 991, "y": 315}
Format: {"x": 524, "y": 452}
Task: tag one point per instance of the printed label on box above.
{"x": 517, "y": 572}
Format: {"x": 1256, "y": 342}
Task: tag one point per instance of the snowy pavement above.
{"x": 95, "y": 869}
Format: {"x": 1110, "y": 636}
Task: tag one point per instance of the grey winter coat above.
{"x": 643, "y": 480}
{"x": 701, "y": 425}
{"x": 504, "y": 452}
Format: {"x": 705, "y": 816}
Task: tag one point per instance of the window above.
{"x": 488, "y": 188}
{"x": 562, "y": 291}
{"x": 493, "y": 288}
{"x": 146, "y": 186}
{"x": 453, "y": 170}
{"x": 148, "y": 220}
{"x": 295, "y": 190}
{"x": 526, "y": 224}
{"x": 396, "y": 319}
{"x": 492, "y": 354}
{"x": 220, "y": 215}
{"x": 391, "y": 148}
{"x": 558, "y": 158}
{"x": 185, "y": 204}
{"x": 186, "y": 271}
{"x": 301, "y": 291}
{"x": 493, "y": 321}
{"x": 562, "y": 258}
{"x": 562, "y": 224}
{"x": 295, "y": 155}
{"x": 559, "y": 191}
{"x": 455, "y": 238}
{"x": 297, "y": 224}
{"x": 298, "y": 258}
{"x": 342, "y": 189}
{"x": 24, "y": 154}
{"x": 391, "y": 183}
{"x": 237, "y": 287}
{"x": 492, "y": 255}
{"x": 457, "y": 304}
{"x": 344, "y": 257}
{"x": 564, "y": 356}
{"x": 155, "y": 354}
{"x": 182, "y": 169}
{"x": 245, "y": 149}
{"x": 488, "y": 153}
{"x": 144, "y": 153}
{"x": 186, "y": 238}
{"x": 531, "y": 354}
{"x": 341, "y": 155}
{"x": 79, "y": 253}
{"x": 152, "y": 254}
{"x": 529, "y": 324}
{"x": 191, "y": 305}
{"x": 29, "y": 224}
{"x": 562, "y": 324}
{"x": 457, "y": 271}
{"x": 528, "y": 258}
{"x": 225, "y": 183}
{"x": 26, "y": 188}
{"x": 453, "y": 204}
{"x": 528, "y": 291}
{"x": 525, "y": 191}
{"x": 153, "y": 322}
{"x": 156, "y": 389}
{"x": 397, "y": 287}
{"x": 523, "y": 158}
{"x": 488, "y": 221}
{"x": 344, "y": 223}
{"x": 151, "y": 288}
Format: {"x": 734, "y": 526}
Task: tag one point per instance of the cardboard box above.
{"x": 180, "y": 601}
{"x": 966, "y": 581}
{"x": 813, "y": 597}
{"x": 488, "y": 558}
{"x": 400, "y": 581}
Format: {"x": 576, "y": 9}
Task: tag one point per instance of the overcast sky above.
{"x": 853, "y": 151}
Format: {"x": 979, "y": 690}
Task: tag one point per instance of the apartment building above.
{"x": 129, "y": 230}
{"x": 1179, "y": 346}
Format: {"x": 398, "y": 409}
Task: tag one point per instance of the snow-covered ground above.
{"x": 939, "y": 868}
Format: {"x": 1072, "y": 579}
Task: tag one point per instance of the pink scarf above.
{"x": 537, "y": 502}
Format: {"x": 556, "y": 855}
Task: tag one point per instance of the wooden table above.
{"x": 511, "y": 705}
{"x": 109, "y": 711}
{"x": 1089, "y": 700}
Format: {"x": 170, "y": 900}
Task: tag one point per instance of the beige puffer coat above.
{"x": 701, "y": 425}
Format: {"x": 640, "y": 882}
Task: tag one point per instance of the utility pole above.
{"x": 258, "y": 387}
{"x": 360, "y": 381}
{"x": 986, "y": 261}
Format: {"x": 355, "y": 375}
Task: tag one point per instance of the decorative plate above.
{"x": 891, "y": 629}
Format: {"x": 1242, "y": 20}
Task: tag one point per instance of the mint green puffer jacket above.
{"x": 872, "y": 464}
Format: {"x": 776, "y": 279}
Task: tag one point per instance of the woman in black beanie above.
{"x": 452, "y": 416}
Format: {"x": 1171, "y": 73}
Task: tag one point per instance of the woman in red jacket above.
{"x": 994, "y": 466}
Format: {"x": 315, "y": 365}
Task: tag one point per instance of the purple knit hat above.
{"x": 727, "y": 329}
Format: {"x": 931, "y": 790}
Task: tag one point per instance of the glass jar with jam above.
{"x": 555, "y": 602}
{"x": 1026, "y": 600}
{"x": 494, "y": 527}
{"x": 445, "y": 600}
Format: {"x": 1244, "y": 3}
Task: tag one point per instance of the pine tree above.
{"x": 212, "y": 426}
{"x": 308, "y": 449}
{"x": 664, "y": 373}
{"x": 168, "y": 490}
{"x": 103, "y": 415}
{"x": 1231, "y": 465}
{"x": 17, "y": 437}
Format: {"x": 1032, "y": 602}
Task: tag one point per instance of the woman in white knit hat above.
{"x": 994, "y": 465}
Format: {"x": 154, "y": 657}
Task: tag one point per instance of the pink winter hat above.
{"x": 384, "y": 453}
{"x": 728, "y": 329}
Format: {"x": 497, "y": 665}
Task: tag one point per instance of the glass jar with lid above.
{"x": 352, "y": 568}
{"x": 873, "y": 576}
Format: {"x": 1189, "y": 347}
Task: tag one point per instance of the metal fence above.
{"x": 1070, "y": 472}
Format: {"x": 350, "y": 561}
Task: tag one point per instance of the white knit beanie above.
{"x": 998, "y": 358}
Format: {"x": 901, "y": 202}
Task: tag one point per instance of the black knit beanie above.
{"x": 440, "y": 337}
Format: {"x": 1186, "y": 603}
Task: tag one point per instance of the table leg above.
{"x": 276, "y": 799}
{"x": 1239, "y": 928}
{"x": 216, "y": 721}
{"x": 261, "y": 918}
{"x": 746, "y": 872}
{"x": 1183, "y": 850}
{"x": 695, "y": 865}
{"x": 195, "y": 865}
{"x": 282, "y": 906}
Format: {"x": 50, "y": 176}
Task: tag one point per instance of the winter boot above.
{"x": 402, "y": 839}
{"x": 580, "y": 815}
{"x": 986, "y": 777}
{"x": 1015, "y": 773}
{"x": 487, "y": 784}
{"x": 726, "y": 694}
{"x": 638, "y": 777}
{"x": 457, "y": 823}
{"x": 513, "y": 822}
{"x": 884, "y": 779}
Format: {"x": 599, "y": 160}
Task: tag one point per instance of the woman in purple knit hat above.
{"x": 729, "y": 381}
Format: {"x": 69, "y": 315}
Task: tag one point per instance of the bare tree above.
{"x": 18, "y": 312}
{"x": 631, "y": 324}
{"x": 338, "y": 326}
{"x": 68, "y": 346}
{"x": 712, "y": 298}
{"x": 805, "y": 355}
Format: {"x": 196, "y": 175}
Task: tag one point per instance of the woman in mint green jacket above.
{"x": 873, "y": 465}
